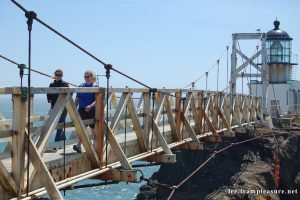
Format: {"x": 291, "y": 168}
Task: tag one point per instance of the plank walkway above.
{"x": 180, "y": 119}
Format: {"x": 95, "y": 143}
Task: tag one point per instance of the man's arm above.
{"x": 49, "y": 96}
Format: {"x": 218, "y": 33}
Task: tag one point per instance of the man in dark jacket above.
{"x": 58, "y": 82}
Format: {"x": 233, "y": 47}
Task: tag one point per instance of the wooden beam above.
{"x": 113, "y": 99}
{"x": 82, "y": 132}
{"x": 118, "y": 112}
{"x": 190, "y": 129}
{"x": 212, "y": 139}
{"x": 161, "y": 139}
{"x": 162, "y": 158}
{"x": 159, "y": 108}
{"x": 119, "y": 175}
{"x": 146, "y": 118}
{"x": 209, "y": 124}
{"x": 200, "y": 111}
{"x": 136, "y": 124}
{"x": 141, "y": 101}
{"x": 224, "y": 120}
{"x": 117, "y": 149}
{"x": 191, "y": 146}
{"x": 100, "y": 104}
{"x": 7, "y": 181}
{"x": 51, "y": 123}
{"x": 178, "y": 112}
{"x": 195, "y": 116}
{"x": 187, "y": 103}
{"x": 18, "y": 134}
{"x": 41, "y": 169}
{"x": 171, "y": 119}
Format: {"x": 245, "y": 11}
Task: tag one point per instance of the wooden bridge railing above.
{"x": 142, "y": 125}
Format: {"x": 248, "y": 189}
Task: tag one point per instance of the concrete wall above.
{"x": 287, "y": 93}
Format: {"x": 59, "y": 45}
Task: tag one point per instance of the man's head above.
{"x": 58, "y": 74}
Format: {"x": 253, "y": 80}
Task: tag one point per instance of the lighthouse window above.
{"x": 278, "y": 51}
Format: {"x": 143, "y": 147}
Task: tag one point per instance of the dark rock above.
{"x": 244, "y": 171}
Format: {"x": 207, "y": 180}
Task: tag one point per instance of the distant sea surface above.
{"x": 118, "y": 191}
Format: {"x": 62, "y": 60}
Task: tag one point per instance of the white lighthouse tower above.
{"x": 283, "y": 93}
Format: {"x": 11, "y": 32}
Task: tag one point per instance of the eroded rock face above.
{"x": 245, "y": 171}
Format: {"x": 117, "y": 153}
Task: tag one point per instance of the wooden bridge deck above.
{"x": 179, "y": 119}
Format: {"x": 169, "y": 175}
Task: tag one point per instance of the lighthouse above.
{"x": 283, "y": 91}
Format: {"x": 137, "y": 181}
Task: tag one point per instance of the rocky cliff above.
{"x": 265, "y": 168}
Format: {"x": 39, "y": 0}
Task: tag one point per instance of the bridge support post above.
{"x": 212, "y": 139}
{"x": 18, "y": 150}
{"x": 162, "y": 158}
{"x": 192, "y": 146}
{"x": 119, "y": 175}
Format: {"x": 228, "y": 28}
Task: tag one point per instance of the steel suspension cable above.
{"x": 209, "y": 69}
{"x": 33, "y": 70}
{"x": 91, "y": 55}
{"x": 80, "y": 48}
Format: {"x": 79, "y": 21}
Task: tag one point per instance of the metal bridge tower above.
{"x": 237, "y": 71}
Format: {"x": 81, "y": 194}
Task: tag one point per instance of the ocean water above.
{"x": 118, "y": 191}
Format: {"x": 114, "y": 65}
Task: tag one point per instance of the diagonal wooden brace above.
{"x": 6, "y": 180}
{"x": 136, "y": 124}
{"x": 82, "y": 133}
{"x": 117, "y": 149}
{"x": 41, "y": 168}
{"x": 161, "y": 139}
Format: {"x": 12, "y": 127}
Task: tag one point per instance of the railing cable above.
{"x": 152, "y": 121}
{"x": 64, "y": 136}
{"x": 227, "y": 47}
{"x": 107, "y": 74}
{"x": 30, "y": 16}
{"x": 209, "y": 69}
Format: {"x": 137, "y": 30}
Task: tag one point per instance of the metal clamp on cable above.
{"x": 21, "y": 68}
{"x": 108, "y": 67}
{"x": 193, "y": 85}
{"x": 30, "y": 15}
{"x": 153, "y": 90}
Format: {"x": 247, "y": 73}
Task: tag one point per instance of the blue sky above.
{"x": 163, "y": 43}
